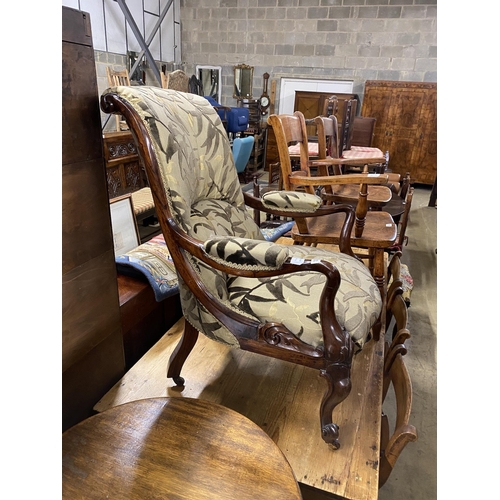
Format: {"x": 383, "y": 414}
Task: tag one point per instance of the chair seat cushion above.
{"x": 293, "y": 299}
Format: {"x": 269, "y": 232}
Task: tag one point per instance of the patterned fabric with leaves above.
{"x": 205, "y": 196}
{"x": 294, "y": 297}
{"x": 244, "y": 253}
{"x": 292, "y": 201}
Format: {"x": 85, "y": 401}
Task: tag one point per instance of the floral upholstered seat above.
{"x": 308, "y": 305}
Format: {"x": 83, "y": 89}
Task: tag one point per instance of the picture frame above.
{"x": 123, "y": 224}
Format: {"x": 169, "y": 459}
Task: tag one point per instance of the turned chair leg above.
{"x": 379, "y": 270}
{"x": 181, "y": 352}
{"x": 339, "y": 387}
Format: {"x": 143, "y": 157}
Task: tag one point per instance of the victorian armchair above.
{"x": 305, "y": 305}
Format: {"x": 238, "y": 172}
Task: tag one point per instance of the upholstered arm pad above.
{"x": 246, "y": 253}
{"x": 291, "y": 201}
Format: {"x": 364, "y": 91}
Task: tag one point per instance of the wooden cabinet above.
{"x": 92, "y": 344}
{"x": 124, "y": 173}
{"x": 406, "y": 126}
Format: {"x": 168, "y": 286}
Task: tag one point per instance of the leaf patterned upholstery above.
{"x": 205, "y": 198}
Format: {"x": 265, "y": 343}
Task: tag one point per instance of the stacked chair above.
{"x": 115, "y": 78}
{"x": 374, "y": 230}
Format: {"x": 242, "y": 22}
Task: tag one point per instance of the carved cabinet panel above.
{"x": 406, "y": 125}
{"x": 124, "y": 173}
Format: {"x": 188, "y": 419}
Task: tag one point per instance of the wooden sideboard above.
{"x": 406, "y": 126}
{"x": 124, "y": 172}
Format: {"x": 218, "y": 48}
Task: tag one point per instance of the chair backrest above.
{"x": 195, "y": 186}
{"x": 177, "y": 80}
{"x": 242, "y": 150}
{"x": 289, "y": 130}
{"x": 405, "y": 217}
{"x": 116, "y": 78}
{"x": 363, "y": 130}
{"x": 346, "y": 129}
{"x": 330, "y": 106}
{"x": 327, "y": 133}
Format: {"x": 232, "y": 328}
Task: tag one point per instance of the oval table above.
{"x": 178, "y": 448}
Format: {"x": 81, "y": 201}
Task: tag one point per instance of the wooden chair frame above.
{"x": 333, "y": 360}
{"x": 382, "y": 230}
{"x": 116, "y": 78}
{"x": 329, "y": 162}
{"x": 396, "y": 373}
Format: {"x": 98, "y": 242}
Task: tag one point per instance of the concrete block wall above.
{"x": 354, "y": 40}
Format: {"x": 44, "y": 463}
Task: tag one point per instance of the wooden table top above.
{"x": 281, "y": 398}
{"x": 173, "y": 448}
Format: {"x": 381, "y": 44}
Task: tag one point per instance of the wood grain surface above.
{"x": 281, "y": 398}
{"x": 173, "y": 448}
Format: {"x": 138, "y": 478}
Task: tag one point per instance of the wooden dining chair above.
{"x": 116, "y": 78}
{"x": 373, "y": 230}
{"x": 396, "y": 376}
{"x": 308, "y": 306}
{"x": 329, "y": 161}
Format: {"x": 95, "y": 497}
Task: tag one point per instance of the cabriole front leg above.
{"x": 181, "y": 352}
{"x": 339, "y": 386}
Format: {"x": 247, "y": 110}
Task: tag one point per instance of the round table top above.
{"x": 173, "y": 448}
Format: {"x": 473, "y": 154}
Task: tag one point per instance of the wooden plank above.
{"x": 283, "y": 399}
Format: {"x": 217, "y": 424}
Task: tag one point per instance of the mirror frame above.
{"x": 219, "y": 79}
{"x": 238, "y": 80}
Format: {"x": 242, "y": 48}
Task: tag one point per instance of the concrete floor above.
{"x": 415, "y": 474}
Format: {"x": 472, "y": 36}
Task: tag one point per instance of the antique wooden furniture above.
{"x": 401, "y": 218}
{"x": 374, "y": 230}
{"x": 124, "y": 173}
{"x": 92, "y": 346}
{"x": 173, "y": 448}
{"x": 363, "y": 128}
{"x": 406, "y": 125}
{"x": 312, "y": 104}
{"x": 235, "y": 287}
{"x": 115, "y": 78}
{"x": 247, "y": 383}
{"x": 397, "y": 376}
{"x": 328, "y": 155}
{"x": 144, "y": 320}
